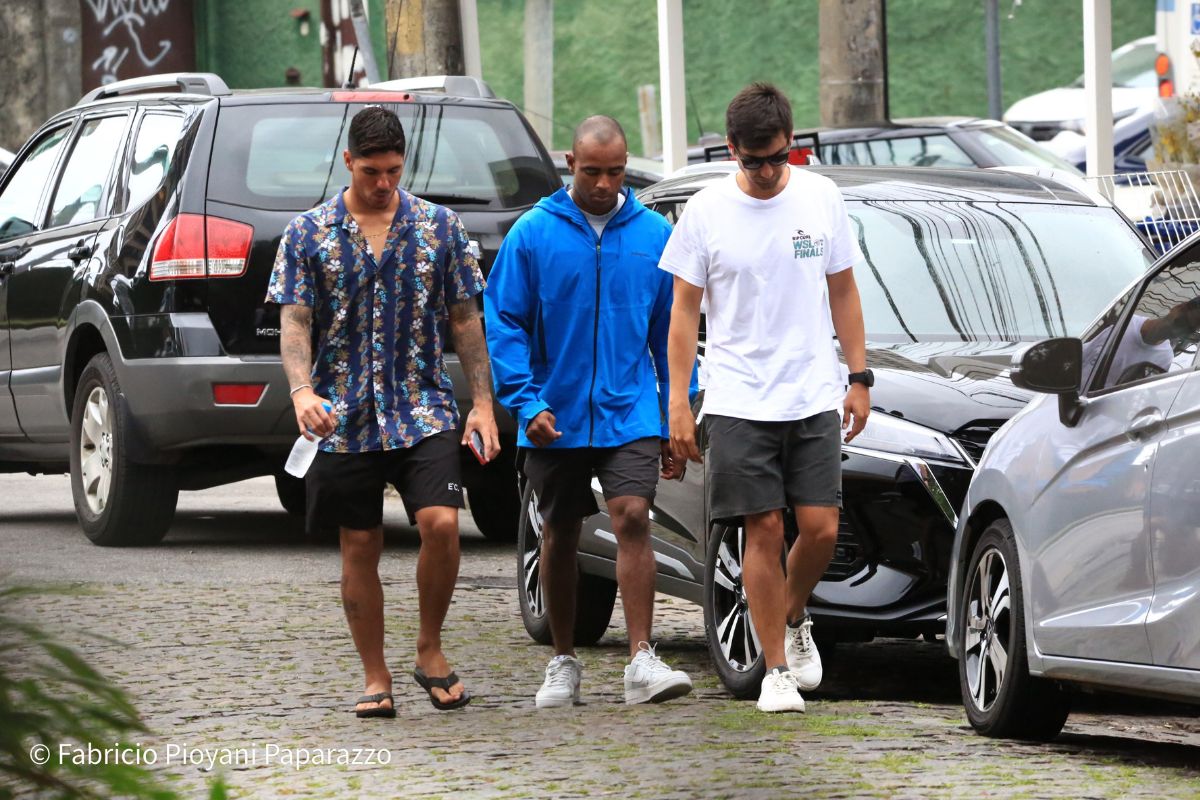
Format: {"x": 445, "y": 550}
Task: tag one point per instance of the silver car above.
{"x": 1077, "y": 555}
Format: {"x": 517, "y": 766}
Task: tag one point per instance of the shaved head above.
{"x": 599, "y": 129}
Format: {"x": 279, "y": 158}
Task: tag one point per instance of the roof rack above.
{"x": 201, "y": 83}
{"x": 458, "y": 85}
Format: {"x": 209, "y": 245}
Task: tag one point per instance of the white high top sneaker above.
{"x": 780, "y": 692}
{"x": 561, "y": 687}
{"x": 803, "y": 658}
{"x": 649, "y": 680}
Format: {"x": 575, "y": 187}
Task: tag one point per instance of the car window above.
{"x": 1013, "y": 149}
{"x": 19, "y": 203}
{"x": 289, "y": 156}
{"x": 80, "y": 193}
{"x": 1161, "y": 334}
{"x": 154, "y": 147}
{"x": 934, "y": 150}
{"x": 1132, "y": 67}
{"x": 669, "y": 209}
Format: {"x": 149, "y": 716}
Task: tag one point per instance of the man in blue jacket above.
{"x": 577, "y": 317}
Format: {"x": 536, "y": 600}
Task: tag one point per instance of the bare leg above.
{"x": 762, "y": 575}
{"x": 560, "y": 580}
{"x": 635, "y": 565}
{"x": 437, "y": 571}
{"x": 810, "y": 555}
{"x": 362, "y": 600}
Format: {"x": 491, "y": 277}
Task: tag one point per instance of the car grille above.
{"x": 974, "y": 436}
{"x": 845, "y": 553}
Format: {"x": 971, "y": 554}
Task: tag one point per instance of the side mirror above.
{"x": 1053, "y": 366}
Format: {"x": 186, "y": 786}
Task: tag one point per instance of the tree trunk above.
{"x": 853, "y": 62}
{"x": 424, "y": 37}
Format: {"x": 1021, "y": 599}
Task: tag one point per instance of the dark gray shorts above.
{"x": 562, "y": 477}
{"x": 761, "y": 466}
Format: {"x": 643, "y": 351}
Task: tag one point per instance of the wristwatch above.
{"x": 866, "y": 378}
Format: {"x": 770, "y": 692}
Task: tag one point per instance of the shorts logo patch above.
{"x": 804, "y": 246}
{"x": 453, "y": 487}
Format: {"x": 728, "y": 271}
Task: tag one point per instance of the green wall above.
{"x": 604, "y": 50}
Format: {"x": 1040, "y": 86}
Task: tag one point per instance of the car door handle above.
{"x": 1145, "y": 424}
{"x": 79, "y": 252}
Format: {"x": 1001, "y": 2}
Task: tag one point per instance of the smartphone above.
{"x": 475, "y": 442}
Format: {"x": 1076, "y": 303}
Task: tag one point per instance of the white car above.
{"x": 1045, "y": 115}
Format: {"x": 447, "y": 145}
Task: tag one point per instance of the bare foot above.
{"x": 435, "y": 665}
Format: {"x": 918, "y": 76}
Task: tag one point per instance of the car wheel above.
{"x": 1001, "y": 697}
{"x": 495, "y": 501}
{"x": 292, "y": 494}
{"x": 118, "y": 503}
{"x": 732, "y": 641}
{"x": 595, "y": 596}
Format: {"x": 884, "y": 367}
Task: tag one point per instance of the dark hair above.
{"x": 375, "y": 130}
{"x": 758, "y": 114}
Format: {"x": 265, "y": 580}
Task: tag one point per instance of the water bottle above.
{"x": 303, "y": 452}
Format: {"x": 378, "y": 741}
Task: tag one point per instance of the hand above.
{"x": 672, "y": 469}
{"x": 483, "y": 421}
{"x": 540, "y": 429}
{"x": 683, "y": 435}
{"x": 857, "y": 405}
{"x": 311, "y": 415}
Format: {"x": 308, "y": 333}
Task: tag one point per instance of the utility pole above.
{"x": 424, "y": 37}
{"x": 853, "y": 59}
{"x": 992, "y": 34}
{"x": 539, "y": 68}
{"x": 362, "y": 32}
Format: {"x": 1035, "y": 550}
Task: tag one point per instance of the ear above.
{"x": 347, "y": 158}
{"x": 571, "y": 163}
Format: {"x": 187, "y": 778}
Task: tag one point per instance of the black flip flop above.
{"x": 377, "y": 711}
{"x": 428, "y": 684}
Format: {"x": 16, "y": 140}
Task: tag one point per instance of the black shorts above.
{"x": 562, "y": 477}
{"x": 761, "y": 466}
{"x": 346, "y": 489}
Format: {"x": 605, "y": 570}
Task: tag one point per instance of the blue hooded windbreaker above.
{"x": 578, "y": 324}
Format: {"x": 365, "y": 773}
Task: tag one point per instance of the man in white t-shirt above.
{"x": 769, "y": 251}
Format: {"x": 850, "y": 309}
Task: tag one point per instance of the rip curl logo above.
{"x": 804, "y": 246}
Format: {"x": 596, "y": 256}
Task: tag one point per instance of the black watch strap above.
{"x": 866, "y": 378}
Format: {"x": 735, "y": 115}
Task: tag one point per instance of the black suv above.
{"x": 137, "y": 234}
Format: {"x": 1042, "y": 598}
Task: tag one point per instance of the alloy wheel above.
{"x": 734, "y": 627}
{"x": 96, "y": 450}
{"x": 531, "y": 560}
{"x": 988, "y": 631}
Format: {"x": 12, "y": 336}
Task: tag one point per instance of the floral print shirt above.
{"x": 381, "y": 324}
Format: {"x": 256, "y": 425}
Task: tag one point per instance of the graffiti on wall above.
{"x": 130, "y": 38}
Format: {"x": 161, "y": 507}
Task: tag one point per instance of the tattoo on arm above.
{"x": 472, "y": 349}
{"x": 295, "y": 344}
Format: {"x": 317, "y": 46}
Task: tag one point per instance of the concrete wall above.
{"x": 39, "y": 64}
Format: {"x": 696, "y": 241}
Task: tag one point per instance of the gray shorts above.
{"x": 754, "y": 467}
{"x": 562, "y": 477}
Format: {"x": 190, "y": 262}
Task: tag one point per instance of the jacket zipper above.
{"x": 595, "y": 351}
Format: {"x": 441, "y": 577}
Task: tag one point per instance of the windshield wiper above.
{"x": 452, "y": 199}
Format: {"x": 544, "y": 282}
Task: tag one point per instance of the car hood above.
{"x": 946, "y": 385}
{"x": 1067, "y": 103}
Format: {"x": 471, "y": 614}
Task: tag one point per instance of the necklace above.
{"x": 376, "y": 232}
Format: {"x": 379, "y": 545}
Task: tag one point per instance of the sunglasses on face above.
{"x": 757, "y": 162}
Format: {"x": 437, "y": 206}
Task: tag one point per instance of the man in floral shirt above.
{"x": 376, "y": 272}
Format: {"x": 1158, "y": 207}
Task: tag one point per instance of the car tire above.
{"x": 495, "y": 500}
{"x": 292, "y": 493}
{"x": 732, "y": 641}
{"x": 595, "y": 596}
{"x": 118, "y": 503}
{"x": 1001, "y": 698}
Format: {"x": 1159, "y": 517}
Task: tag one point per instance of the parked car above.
{"x": 639, "y": 172}
{"x": 1077, "y": 557}
{"x": 961, "y": 267}
{"x": 1135, "y": 84}
{"x": 946, "y": 142}
{"x": 137, "y": 234}
{"x": 1132, "y": 144}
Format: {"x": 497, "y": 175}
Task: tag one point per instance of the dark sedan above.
{"x": 960, "y": 268}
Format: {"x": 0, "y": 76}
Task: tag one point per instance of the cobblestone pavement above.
{"x": 230, "y": 638}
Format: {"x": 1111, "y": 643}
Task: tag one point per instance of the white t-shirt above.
{"x": 762, "y": 263}
{"x": 598, "y": 221}
{"x": 1132, "y": 349}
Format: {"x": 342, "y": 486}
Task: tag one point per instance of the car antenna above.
{"x": 349, "y": 84}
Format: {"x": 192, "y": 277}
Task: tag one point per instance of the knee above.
{"x": 361, "y": 547}
{"x": 765, "y": 532}
{"x": 632, "y": 526}
{"x": 442, "y": 530}
{"x": 825, "y": 532}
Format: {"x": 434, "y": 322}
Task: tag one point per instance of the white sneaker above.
{"x": 649, "y": 680}
{"x": 780, "y": 692}
{"x": 803, "y": 658}
{"x": 561, "y": 687}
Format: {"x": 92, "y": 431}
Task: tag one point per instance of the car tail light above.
{"x": 372, "y": 97}
{"x": 237, "y": 394}
{"x": 1166, "y": 88}
{"x": 199, "y": 246}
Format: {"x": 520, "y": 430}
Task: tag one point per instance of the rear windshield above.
{"x": 288, "y": 157}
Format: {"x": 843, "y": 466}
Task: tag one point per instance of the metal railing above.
{"x": 1163, "y": 204}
